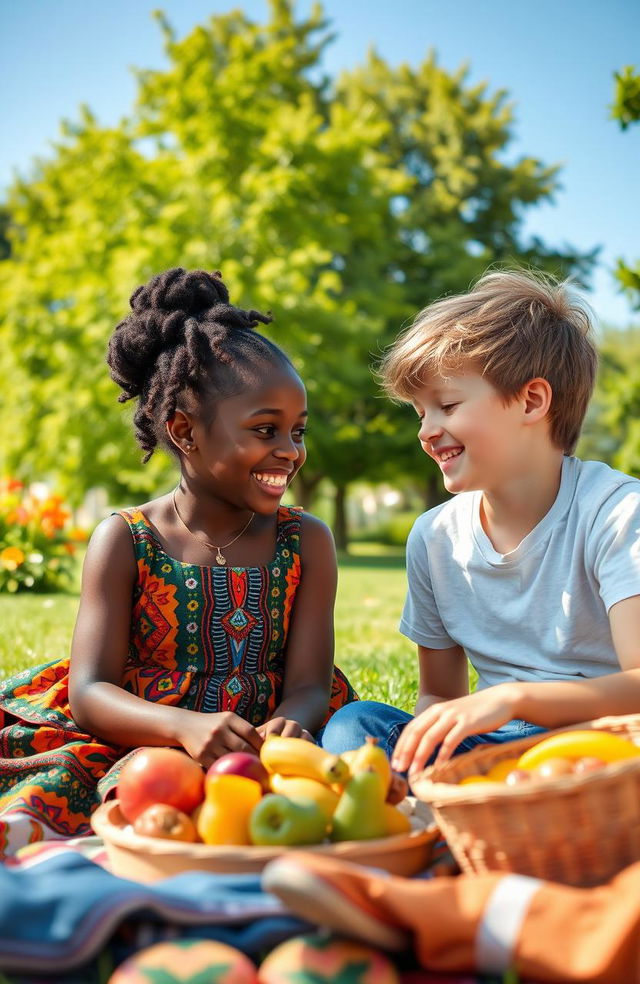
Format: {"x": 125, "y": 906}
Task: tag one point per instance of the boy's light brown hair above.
{"x": 512, "y": 327}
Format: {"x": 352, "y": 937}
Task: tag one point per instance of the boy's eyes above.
{"x": 445, "y": 407}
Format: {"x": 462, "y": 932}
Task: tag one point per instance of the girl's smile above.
{"x": 250, "y": 451}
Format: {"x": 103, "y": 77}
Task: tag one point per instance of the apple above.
{"x": 588, "y": 763}
{"x": 241, "y": 764}
{"x": 161, "y": 820}
{"x": 159, "y": 775}
{"x": 518, "y": 776}
{"x": 552, "y": 768}
{"x": 278, "y": 820}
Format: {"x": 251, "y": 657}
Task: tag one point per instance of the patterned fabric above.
{"x": 204, "y": 638}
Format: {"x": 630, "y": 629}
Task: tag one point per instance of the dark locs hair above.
{"x": 183, "y": 335}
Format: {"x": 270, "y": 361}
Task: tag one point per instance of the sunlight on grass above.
{"x": 379, "y": 662}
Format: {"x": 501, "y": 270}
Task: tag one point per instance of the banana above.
{"x": 297, "y": 757}
{"x": 370, "y": 756}
{"x": 578, "y": 744}
{"x": 299, "y": 787}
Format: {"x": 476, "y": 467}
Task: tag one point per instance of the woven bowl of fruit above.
{"x": 245, "y": 810}
{"x": 563, "y": 805}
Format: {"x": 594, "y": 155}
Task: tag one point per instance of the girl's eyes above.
{"x": 269, "y": 430}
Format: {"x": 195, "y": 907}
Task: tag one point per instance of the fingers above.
{"x": 437, "y": 726}
{"x": 244, "y": 736}
{"x": 285, "y": 727}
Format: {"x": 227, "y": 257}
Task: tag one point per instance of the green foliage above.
{"x": 612, "y": 428}
{"x": 394, "y": 530}
{"x": 626, "y": 100}
{"x": 341, "y": 208}
{"x": 37, "y": 546}
{"x": 626, "y": 110}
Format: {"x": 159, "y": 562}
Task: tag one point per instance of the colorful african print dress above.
{"x": 204, "y": 638}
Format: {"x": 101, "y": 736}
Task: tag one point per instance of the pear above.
{"x": 370, "y": 756}
{"x": 360, "y": 813}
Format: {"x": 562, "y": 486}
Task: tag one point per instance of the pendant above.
{"x": 220, "y": 559}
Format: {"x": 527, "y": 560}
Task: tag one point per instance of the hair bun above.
{"x": 189, "y": 292}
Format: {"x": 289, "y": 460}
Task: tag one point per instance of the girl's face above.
{"x": 253, "y": 448}
{"x": 468, "y": 430}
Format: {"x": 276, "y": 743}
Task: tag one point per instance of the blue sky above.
{"x": 556, "y": 59}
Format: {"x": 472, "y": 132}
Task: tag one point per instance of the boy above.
{"x": 532, "y": 570}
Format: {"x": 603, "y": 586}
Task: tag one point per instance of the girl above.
{"x": 205, "y": 618}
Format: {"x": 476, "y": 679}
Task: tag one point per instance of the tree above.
{"x": 626, "y": 110}
{"x": 342, "y": 208}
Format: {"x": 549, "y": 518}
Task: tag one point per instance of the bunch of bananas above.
{"x": 357, "y": 792}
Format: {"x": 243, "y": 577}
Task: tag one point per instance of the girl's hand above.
{"x": 208, "y": 736}
{"x": 447, "y": 723}
{"x": 284, "y": 726}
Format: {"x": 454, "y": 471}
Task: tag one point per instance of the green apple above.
{"x": 280, "y": 821}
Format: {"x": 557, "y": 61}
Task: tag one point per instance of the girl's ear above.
{"x": 536, "y": 396}
{"x": 180, "y": 431}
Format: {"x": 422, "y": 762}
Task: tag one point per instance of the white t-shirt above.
{"x": 540, "y": 611}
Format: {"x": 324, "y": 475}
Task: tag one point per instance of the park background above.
{"x": 343, "y": 165}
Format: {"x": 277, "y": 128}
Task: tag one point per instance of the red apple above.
{"x": 159, "y": 775}
{"x": 241, "y": 764}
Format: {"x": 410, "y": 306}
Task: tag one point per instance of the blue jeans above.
{"x": 349, "y": 727}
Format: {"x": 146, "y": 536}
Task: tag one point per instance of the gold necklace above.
{"x": 220, "y": 558}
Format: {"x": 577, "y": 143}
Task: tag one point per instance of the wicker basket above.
{"x": 576, "y": 829}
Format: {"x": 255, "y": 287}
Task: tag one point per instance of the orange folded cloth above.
{"x": 474, "y": 923}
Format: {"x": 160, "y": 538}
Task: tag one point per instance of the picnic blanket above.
{"x": 66, "y": 919}
{"x": 60, "y": 911}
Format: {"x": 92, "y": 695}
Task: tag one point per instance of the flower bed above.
{"x": 37, "y": 540}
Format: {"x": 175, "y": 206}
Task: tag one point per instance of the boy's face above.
{"x": 468, "y": 430}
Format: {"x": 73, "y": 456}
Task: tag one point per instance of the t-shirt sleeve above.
{"x": 420, "y": 619}
{"x": 615, "y": 542}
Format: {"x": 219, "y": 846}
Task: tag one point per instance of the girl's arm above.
{"x": 310, "y": 643}
{"x": 99, "y": 649}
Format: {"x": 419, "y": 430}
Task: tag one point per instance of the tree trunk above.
{"x": 340, "y": 531}
{"x": 432, "y": 492}
{"x": 305, "y": 488}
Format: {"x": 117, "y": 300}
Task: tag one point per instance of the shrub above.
{"x": 395, "y": 530}
{"x": 37, "y": 543}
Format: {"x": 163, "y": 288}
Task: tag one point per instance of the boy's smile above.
{"x": 468, "y": 430}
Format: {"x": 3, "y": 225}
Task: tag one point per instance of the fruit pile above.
{"x": 293, "y": 793}
{"x": 312, "y": 958}
{"x": 562, "y": 754}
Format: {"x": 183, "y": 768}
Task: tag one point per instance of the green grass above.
{"x": 379, "y": 662}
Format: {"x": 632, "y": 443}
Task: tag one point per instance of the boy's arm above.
{"x": 443, "y": 678}
{"x": 553, "y": 705}
{"x": 443, "y": 675}
{"x": 550, "y": 705}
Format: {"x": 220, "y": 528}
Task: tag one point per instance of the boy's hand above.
{"x": 286, "y": 727}
{"x": 208, "y": 736}
{"x": 447, "y": 723}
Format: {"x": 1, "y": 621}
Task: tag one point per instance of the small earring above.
{"x": 188, "y": 448}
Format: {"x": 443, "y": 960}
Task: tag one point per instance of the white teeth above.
{"x": 449, "y": 454}
{"x": 276, "y": 481}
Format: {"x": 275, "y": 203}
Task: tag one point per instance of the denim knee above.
{"x": 349, "y": 727}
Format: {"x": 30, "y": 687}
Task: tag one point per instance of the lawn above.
{"x": 379, "y": 661}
